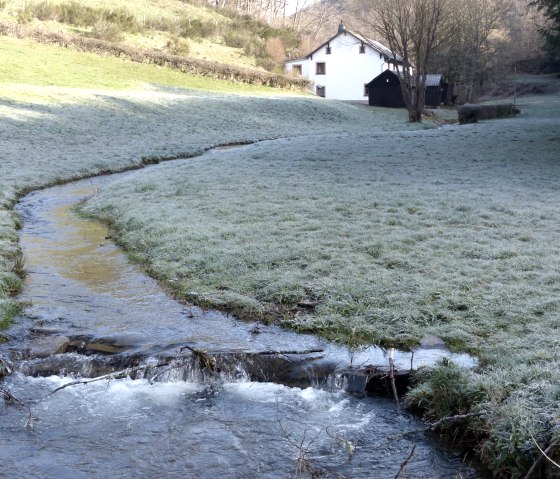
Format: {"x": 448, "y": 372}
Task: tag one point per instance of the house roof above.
{"x": 300, "y": 59}
{"x": 377, "y": 46}
{"x": 368, "y": 41}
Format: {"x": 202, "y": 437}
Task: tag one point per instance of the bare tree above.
{"x": 477, "y": 43}
{"x": 319, "y": 20}
{"x": 414, "y": 30}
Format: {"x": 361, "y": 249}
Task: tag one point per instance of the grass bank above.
{"x": 34, "y": 63}
{"x": 393, "y": 235}
{"x": 66, "y": 115}
{"x": 195, "y": 29}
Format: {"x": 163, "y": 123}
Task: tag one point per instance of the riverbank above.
{"x": 364, "y": 224}
{"x": 55, "y": 134}
{"x": 383, "y": 237}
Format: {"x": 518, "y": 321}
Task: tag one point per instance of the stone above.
{"x": 44, "y": 346}
{"x": 430, "y": 341}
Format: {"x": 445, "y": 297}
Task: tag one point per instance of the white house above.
{"x": 342, "y": 66}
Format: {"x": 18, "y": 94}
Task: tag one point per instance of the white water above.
{"x": 130, "y": 428}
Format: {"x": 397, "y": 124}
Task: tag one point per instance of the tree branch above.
{"x": 542, "y": 456}
{"x": 406, "y": 461}
{"x": 459, "y": 417}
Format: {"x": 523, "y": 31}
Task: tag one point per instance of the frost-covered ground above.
{"x": 453, "y": 232}
{"x": 50, "y": 134}
{"x": 393, "y": 232}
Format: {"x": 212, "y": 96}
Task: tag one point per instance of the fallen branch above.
{"x": 347, "y": 443}
{"x": 116, "y": 375}
{"x": 433, "y": 426}
{"x": 392, "y": 437}
{"x": 406, "y": 461}
{"x": 207, "y": 361}
{"x": 542, "y": 457}
{"x": 9, "y": 398}
{"x": 284, "y": 353}
{"x": 392, "y": 376}
{"x": 151, "y": 380}
{"x": 459, "y": 417}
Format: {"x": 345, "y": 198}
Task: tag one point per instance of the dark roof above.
{"x": 432, "y": 79}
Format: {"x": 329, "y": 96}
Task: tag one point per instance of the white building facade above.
{"x": 342, "y": 66}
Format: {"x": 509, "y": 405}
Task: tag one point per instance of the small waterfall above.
{"x": 120, "y": 379}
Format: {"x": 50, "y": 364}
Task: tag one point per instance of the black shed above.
{"x": 435, "y": 90}
{"x": 385, "y": 90}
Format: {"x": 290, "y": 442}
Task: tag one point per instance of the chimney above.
{"x": 341, "y": 27}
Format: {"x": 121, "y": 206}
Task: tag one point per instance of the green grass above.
{"x": 26, "y": 62}
{"x": 155, "y": 25}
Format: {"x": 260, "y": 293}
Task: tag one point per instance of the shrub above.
{"x": 121, "y": 18}
{"x": 236, "y": 39}
{"x": 74, "y": 13}
{"x": 25, "y": 15}
{"x": 269, "y": 64}
{"x": 107, "y": 31}
{"x": 255, "y": 47}
{"x": 197, "y": 29}
{"x": 275, "y": 48}
{"x": 178, "y": 46}
{"x": 471, "y": 113}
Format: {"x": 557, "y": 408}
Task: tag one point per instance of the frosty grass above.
{"x": 394, "y": 230}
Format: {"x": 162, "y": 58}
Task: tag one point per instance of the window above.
{"x": 328, "y": 49}
{"x": 320, "y": 68}
{"x": 362, "y": 48}
{"x": 320, "y": 91}
{"x": 366, "y": 90}
{"x": 296, "y": 70}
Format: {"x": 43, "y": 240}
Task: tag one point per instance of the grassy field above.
{"x": 394, "y": 235}
{"x": 65, "y": 115}
{"x": 26, "y": 62}
{"x": 149, "y": 25}
{"x": 393, "y": 232}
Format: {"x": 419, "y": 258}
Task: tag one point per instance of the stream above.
{"x": 205, "y": 395}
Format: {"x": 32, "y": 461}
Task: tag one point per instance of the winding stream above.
{"x": 255, "y": 414}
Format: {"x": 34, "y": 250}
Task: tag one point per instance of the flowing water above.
{"x": 272, "y": 403}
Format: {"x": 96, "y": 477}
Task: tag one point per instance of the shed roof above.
{"x": 432, "y": 79}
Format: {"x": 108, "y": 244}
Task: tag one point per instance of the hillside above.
{"x": 193, "y": 30}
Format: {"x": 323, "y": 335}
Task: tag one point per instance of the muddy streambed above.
{"x": 206, "y": 395}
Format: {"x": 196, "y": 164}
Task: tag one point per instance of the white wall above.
{"x": 347, "y": 70}
{"x": 289, "y": 66}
